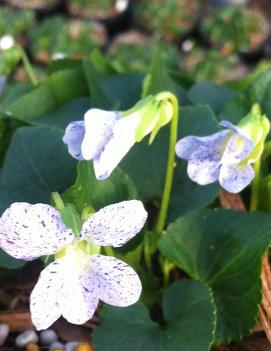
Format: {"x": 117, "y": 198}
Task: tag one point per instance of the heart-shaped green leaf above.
{"x": 36, "y": 164}
{"x": 189, "y": 322}
{"x": 224, "y": 249}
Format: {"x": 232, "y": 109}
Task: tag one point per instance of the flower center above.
{"x": 78, "y": 251}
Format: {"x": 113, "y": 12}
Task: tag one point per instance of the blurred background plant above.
{"x": 170, "y": 19}
{"x": 237, "y": 28}
{"x": 58, "y": 37}
{"x": 208, "y": 40}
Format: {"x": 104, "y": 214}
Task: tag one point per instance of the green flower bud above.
{"x": 256, "y": 126}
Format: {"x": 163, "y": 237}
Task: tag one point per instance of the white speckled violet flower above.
{"x": 226, "y": 156}
{"x": 73, "y": 284}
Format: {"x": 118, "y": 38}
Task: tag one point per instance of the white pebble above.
{"x": 6, "y": 42}
{"x": 47, "y": 337}
{"x": 71, "y": 345}
{"x": 4, "y": 331}
{"x": 26, "y": 337}
{"x": 56, "y": 345}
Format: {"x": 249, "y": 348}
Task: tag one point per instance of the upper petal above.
{"x": 99, "y": 128}
{"x": 73, "y": 137}
{"x": 79, "y": 295}
{"x": 238, "y": 148}
{"x": 43, "y": 299}
{"x": 30, "y": 231}
{"x": 235, "y": 177}
{"x": 116, "y": 148}
{"x": 187, "y": 146}
{"x": 115, "y": 224}
{"x": 229, "y": 125}
{"x": 118, "y": 283}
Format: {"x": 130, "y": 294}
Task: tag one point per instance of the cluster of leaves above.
{"x": 237, "y": 27}
{"x": 231, "y": 25}
{"x": 219, "y": 250}
{"x": 59, "y": 36}
{"x": 168, "y": 18}
{"x": 173, "y": 20}
{"x": 39, "y": 4}
{"x": 92, "y": 8}
{"x": 15, "y": 23}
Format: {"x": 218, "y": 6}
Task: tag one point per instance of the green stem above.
{"x": 109, "y": 251}
{"x": 255, "y": 186}
{"x": 267, "y": 150}
{"x": 167, "y": 265}
{"x": 170, "y": 163}
{"x": 57, "y": 201}
{"x": 29, "y": 70}
{"x": 147, "y": 255}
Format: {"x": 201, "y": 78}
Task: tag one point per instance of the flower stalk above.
{"x": 28, "y": 67}
{"x": 159, "y": 226}
{"x": 254, "y": 199}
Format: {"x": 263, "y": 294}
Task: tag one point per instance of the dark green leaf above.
{"x": 112, "y": 91}
{"x": 188, "y": 312}
{"x": 223, "y": 249}
{"x": 12, "y": 92}
{"x": 36, "y": 164}
{"x": 211, "y": 94}
{"x": 235, "y": 110}
{"x": 6, "y": 261}
{"x": 60, "y": 118}
{"x": 88, "y": 191}
{"x": 257, "y": 91}
{"x": 56, "y": 90}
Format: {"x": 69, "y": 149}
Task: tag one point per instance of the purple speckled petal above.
{"x": 79, "y": 294}
{"x": 187, "y": 146}
{"x": 115, "y": 224}
{"x": 234, "y": 178}
{"x": 203, "y": 172}
{"x": 73, "y": 137}
{"x": 204, "y": 160}
{"x": 122, "y": 140}
{"x": 99, "y": 130}
{"x": 30, "y": 231}
{"x": 118, "y": 283}
{"x": 43, "y": 299}
{"x": 229, "y": 125}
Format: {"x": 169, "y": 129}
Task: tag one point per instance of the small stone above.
{"x": 84, "y": 346}
{"x": 32, "y": 347}
{"x": 29, "y": 336}
{"x": 56, "y": 346}
{"x": 71, "y": 345}
{"x": 47, "y": 337}
{"x": 4, "y": 331}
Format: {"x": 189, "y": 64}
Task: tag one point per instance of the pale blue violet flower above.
{"x": 106, "y": 136}
{"x": 226, "y": 156}
{"x": 80, "y": 276}
{"x": 103, "y": 137}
